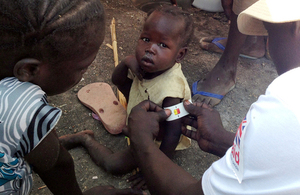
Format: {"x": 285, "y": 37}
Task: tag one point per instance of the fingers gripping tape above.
{"x": 177, "y": 111}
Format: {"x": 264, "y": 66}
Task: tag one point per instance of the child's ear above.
{"x": 26, "y": 69}
{"x": 181, "y": 54}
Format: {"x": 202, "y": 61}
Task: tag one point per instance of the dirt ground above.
{"x": 253, "y": 77}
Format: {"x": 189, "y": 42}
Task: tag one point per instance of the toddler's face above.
{"x": 159, "y": 44}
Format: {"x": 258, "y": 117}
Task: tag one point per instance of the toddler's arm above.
{"x": 119, "y": 76}
{"x": 171, "y": 130}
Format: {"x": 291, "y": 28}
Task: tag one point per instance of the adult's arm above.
{"x": 162, "y": 176}
{"x": 210, "y": 135}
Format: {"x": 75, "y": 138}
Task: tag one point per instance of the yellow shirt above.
{"x": 171, "y": 83}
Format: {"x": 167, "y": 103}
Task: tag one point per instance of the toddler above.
{"x": 154, "y": 73}
{"x": 155, "y": 70}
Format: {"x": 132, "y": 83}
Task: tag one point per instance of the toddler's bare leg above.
{"x": 120, "y": 162}
{"x": 71, "y": 141}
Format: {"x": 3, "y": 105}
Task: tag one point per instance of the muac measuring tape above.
{"x": 178, "y": 111}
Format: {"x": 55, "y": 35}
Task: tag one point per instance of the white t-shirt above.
{"x": 265, "y": 156}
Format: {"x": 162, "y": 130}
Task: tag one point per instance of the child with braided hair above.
{"x": 45, "y": 47}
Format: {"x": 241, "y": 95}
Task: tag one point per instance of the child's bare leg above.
{"x": 120, "y": 162}
{"x": 116, "y": 163}
{"x": 75, "y": 140}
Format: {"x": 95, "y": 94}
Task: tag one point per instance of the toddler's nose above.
{"x": 150, "y": 49}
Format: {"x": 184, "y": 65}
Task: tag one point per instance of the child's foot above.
{"x": 74, "y": 140}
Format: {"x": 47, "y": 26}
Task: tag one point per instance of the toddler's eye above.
{"x": 162, "y": 45}
{"x": 145, "y": 39}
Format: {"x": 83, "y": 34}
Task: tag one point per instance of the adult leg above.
{"x": 253, "y": 48}
{"x": 221, "y": 79}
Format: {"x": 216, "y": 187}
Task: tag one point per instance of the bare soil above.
{"x": 253, "y": 77}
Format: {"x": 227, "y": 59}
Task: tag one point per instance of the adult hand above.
{"x": 133, "y": 65}
{"x": 210, "y": 135}
{"x": 227, "y": 6}
{"x": 137, "y": 181}
{"x": 162, "y": 176}
{"x": 143, "y": 121}
{"x": 110, "y": 190}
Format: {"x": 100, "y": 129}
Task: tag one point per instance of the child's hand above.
{"x": 133, "y": 65}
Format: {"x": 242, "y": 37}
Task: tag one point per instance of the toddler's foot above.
{"x": 74, "y": 140}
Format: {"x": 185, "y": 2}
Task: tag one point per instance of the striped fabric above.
{"x": 25, "y": 119}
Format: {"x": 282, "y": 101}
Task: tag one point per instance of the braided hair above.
{"x": 48, "y": 30}
{"x": 177, "y": 12}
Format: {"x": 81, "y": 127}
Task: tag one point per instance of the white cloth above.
{"x": 266, "y": 146}
{"x": 209, "y": 5}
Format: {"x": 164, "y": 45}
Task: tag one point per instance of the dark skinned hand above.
{"x": 137, "y": 181}
{"x": 210, "y": 135}
{"x": 143, "y": 121}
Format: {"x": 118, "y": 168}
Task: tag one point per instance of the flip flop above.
{"x": 205, "y": 44}
{"x": 100, "y": 98}
{"x": 214, "y": 98}
{"x": 204, "y": 93}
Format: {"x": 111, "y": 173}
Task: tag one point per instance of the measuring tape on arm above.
{"x": 177, "y": 111}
